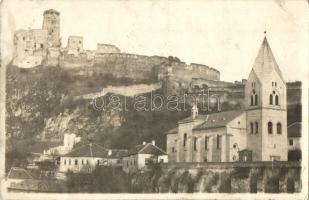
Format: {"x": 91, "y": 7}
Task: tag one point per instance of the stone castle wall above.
{"x": 137, "y": 67}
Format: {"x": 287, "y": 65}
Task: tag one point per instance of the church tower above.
{"x": 51, "y": 23}
{"x": 266, "y": 108}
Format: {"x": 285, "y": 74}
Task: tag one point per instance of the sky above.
{"x": 221, "y": 34}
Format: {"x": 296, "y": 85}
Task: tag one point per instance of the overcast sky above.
{"x": 222, "y": 34}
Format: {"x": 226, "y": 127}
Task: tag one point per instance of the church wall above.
{"x": 254, "y": 140}
{"x": 274, "y": 144}
{"x": 212, "y": 154}
{"x": 237, "y": 132}
{"x": 171, "y": 142}
{"x": 185, "y": 152}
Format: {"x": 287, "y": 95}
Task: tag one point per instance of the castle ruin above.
{"x": 42, "y": 47}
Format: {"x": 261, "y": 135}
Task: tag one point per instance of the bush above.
{"x": 211, "y": 180}
{"x": 253, "y": 183}
{"x": 101, "y": 180}
{"x": 272, "y": 184}
{"x": 290, "y": 185}
{"x": 225, "y": 183}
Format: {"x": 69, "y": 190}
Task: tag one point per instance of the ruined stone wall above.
{"x": 107, "y": 48}
{"x": 29, "y": 47}
{"x": 188, "y": 72}
{"x": 133, "y": 66}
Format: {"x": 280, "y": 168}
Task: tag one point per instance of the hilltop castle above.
{"x": 42, "y": 47}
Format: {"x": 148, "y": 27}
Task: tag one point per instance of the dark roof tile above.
{"x": 146, "y": 149}
{"x": 96, "y": 150}
{"x": 217, "y": 120}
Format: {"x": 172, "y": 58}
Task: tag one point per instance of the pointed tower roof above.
{"x": 265, "y": 62}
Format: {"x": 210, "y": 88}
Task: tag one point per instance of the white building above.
{"x": 257, "y": 133}
{"x": 138, "y": 157}
{"x": 86, "y": 157}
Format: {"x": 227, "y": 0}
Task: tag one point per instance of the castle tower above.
{"x": 51, "y": 23}
{"x": 266, "y": 112}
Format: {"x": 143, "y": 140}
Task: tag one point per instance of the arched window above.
{"x": 270, "y": 127}
{"x": 184, "y": 139}
{"x": 256, "y": 127}
{"x": 76, "y": 161}
{"x": 277, "y": 99}
{"x": 251, "y": 127}
{"x": 65, "y": 161}
{"x": 206, "y": 142}
{"x": 271, "y": 99}
{"x": 194, "y": 145}
{"x": 256, "y": 99}
{"x": 279, "y": 128}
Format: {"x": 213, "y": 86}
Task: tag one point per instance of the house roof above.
{"x": 18, "y": 173}
{"x": 146, "y": 149}
{"x": 265, "y": 61}
{"x": 217, "y": 120}
{"x": 95, "y": 150}
{"x": 39, "y": 185}
{"x": 294, "y": 130}
{"x": 172, "y": 131}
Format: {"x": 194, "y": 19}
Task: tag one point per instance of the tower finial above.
{"x": 265, "y": 32}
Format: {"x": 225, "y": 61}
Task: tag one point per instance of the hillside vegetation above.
{"x": 41, "y": 105}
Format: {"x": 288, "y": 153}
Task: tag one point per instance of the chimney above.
{"x": 194, "y": 111}
{"x": 110, "y": 152}
{"x": 144, "y": 143}
{"x": 153, "y": 142}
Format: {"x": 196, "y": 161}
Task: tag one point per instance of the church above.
{"x": 256, "y": 133}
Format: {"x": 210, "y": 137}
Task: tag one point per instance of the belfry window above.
{"x": 254, "y": 98}
{"x": 277, "y": 99}
{"x": 279, "y": 128}
{"x": 184, "y": 139}
{"x": 270, "y": 127}
{"x": 271, "y": 99}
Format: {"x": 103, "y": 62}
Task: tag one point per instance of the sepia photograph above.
{"x": 115, "y": 99}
